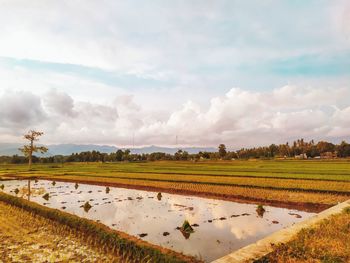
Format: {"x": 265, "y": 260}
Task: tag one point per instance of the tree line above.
{"x": 321, "y": 149}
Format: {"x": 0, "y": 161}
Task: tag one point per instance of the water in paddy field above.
{"x": 220, "y": 227}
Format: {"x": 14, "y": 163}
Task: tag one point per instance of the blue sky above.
{"x": 161, "y": 56}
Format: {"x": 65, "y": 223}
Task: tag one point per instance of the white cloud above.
{"x": 239, "y": 118}
{"x": 19, "y": 110}
{"x": 190, "y": 52}
{"x": 59, "y": 103}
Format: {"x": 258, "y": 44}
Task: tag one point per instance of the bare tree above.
{"x": 30, "y": 148}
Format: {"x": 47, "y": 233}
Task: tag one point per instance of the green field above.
{"x": 320, "y": 181}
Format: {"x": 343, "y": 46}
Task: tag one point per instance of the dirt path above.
{"x": 28, "y": 238}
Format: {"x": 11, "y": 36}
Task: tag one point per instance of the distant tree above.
{"x": 222, "y": 150}
{"x": 30, "y": 148}
{"x": 119, "y": 155}
{"x": 273, "y": 150}
{"x": 126, "y": 155}
{"x": 343, "y": 149}
{"x": 185, "y": 156}
{"x": 178, "y": 155}
{"x": 323, "y": 147}
{"x": 205, "y": 155}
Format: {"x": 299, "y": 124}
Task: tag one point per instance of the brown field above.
{"x": 25, "y": 237}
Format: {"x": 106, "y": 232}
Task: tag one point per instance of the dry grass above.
{"x": 25, "y": 237}
{"x": 327, "y": 242}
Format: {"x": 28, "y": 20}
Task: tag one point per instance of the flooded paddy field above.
{"x": 219, "y": 227}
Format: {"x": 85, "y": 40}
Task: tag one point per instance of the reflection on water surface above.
{"x": 219, "y": 227}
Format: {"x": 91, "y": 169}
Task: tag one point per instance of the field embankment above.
{"x": 328, "y": 241}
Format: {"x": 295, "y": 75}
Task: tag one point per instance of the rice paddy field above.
{"x": 298, "y": 186}
{"x": 295, "y": 181}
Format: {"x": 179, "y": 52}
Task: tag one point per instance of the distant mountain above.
{"x": 170, "y": 150}
{"x": 9, "y": 148}
{"x": 67, "y": 149}
{"x": 58, "y": 149}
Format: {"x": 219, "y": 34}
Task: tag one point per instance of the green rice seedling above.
{"x": 87, "y": 207}
{"x": 76, "y": 186}
{"x": 46, "y": 196}
{"x": 16, "y": 191}
{"x": 186, "y": 227}
{"x": 2, "y": 187}
{"x": 260, "y": 210}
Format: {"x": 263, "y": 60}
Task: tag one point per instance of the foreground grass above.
{"x": 298, "y": 181}
{"x": 25, "y": 237}
{"x": 328, "y": 241}
{"x": 125, "y": 247}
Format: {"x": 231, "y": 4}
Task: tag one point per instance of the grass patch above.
{"x": 53, "y": 242}
{"x": 328, "y": 241}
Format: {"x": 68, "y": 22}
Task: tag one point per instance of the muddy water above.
{"x": 220, "y": 227}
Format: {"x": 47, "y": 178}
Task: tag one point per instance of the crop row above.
{"x": 332, "y": 171}
{"x": 260, "y": 182}
{"x": 291, "y": 184}
{"x": 258, "y": 194}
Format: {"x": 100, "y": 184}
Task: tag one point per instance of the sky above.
{"x": 242, "y": 73}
